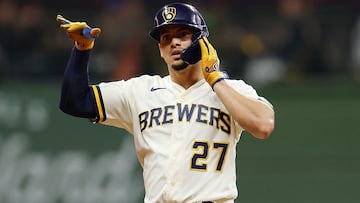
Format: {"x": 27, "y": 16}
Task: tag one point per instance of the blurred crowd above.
{"x": 261, "y": 41}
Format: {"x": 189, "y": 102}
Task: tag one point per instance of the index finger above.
{"x": 60, "y": 19}
{"x": 211, "y": 49}
{"x": 204, "y": 48}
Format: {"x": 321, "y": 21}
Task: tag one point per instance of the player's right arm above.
{"x": 78, "y": 98}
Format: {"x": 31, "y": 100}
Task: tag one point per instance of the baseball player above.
{"x": 185, "y": 125}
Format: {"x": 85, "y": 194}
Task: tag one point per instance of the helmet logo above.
{"x": 169, "y": 14}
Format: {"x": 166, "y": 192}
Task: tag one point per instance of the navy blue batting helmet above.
{"x": 178, "y": 14}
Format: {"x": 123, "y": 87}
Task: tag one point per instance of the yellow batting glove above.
{"x": 83, "y": 35}
{"x": 210, "y": 63}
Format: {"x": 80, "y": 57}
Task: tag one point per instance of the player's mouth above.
{"x": 176, "y": 54}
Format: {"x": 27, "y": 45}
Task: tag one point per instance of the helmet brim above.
{"x": 155, "y": 32}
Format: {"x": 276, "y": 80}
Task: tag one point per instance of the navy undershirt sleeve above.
{"x": 76, "y": 94}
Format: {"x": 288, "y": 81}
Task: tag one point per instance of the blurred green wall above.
{"x": 312, "y": 156}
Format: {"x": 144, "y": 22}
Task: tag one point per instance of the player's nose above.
{"x": 175, "y": 41}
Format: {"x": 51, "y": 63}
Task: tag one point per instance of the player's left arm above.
{"x": 255, "y": 116}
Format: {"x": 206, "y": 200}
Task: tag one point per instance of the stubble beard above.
{"x": 179, "y": 67}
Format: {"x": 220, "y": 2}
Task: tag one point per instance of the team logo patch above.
{"x": 169, "y": 14}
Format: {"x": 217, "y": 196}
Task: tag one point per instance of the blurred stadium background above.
{"x": 303, "y": 55}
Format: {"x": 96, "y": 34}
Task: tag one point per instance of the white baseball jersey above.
{"x": 185, "y": 139}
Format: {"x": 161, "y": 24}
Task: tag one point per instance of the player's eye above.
{"x": 184, "y": 34}
{"x": 165, "y": 38}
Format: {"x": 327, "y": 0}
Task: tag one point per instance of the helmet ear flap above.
{"x": 198, "y": 35}
{"x": 192, "y": 54}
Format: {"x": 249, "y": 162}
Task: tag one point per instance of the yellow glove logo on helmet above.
{"x": 169, "y": 14}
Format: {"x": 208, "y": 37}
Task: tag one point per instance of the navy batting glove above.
{"x": 192, "y": 54}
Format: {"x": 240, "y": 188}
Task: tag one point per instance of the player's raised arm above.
{"x": 255, "y": 116}
{"x": 76, "y": 94}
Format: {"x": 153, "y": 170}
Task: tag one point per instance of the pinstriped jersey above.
{"x": 185, "y": 139}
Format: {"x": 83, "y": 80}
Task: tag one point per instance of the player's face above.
{"x": 173, "y": 39}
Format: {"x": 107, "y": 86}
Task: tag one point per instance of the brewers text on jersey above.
{"x": 199, "y": 113}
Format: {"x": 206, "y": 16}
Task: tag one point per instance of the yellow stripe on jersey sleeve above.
{"x": 98, "y": 103}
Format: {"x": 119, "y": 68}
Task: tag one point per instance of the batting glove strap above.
{"x": 88, "y": 38}
{"x": 215, "y": 77}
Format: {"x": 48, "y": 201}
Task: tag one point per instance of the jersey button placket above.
{"x": 175, "y": 150}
